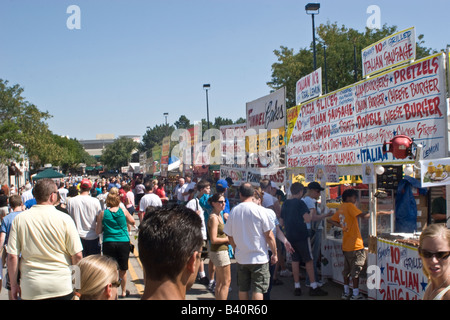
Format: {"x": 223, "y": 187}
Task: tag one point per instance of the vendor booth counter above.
{"x": 394, "y": 268}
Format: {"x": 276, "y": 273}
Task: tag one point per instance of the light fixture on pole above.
{"x": 206, "y": 87}
{"x": 167, "y": 127}
{"x": 313, "y": 9}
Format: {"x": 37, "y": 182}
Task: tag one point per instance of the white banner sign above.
{"x": 402, "y": 277}
{"x": 237, "y": 175}
{"x": 350, "y": 126}
{"x": 309, "y": 87}
{"x": 268, "y": 112}
{"x": 389, "y": 52}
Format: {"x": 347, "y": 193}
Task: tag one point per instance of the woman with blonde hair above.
{"x": 434, "y": 249}
{"x": 98, "y": 278}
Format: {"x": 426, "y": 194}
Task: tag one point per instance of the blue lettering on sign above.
{"x": 429, "y": 150}
{"x": 372, "y": 155}
{"x": 399, "y": 37}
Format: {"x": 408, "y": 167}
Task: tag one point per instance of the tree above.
{"x": 154, "y": 137}
{"x": 219, "y": 121}
{"x": 72, "y": 153}
{"x": 340, "y": 44}
{"x": 118, "y": 154}
{"x": 22, "y": 124}
{"x": 183, "y": 123}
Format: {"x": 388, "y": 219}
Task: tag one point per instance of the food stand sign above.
{"x": 165, "y": 150}
{"x": 389, "y": 52}
{"x": 349, "y": 126}
{"x": 435, "y": 172}
{"x": 309, "y": 87}
{"x": 401, "y": 276}
{"x": 268, "y": 112}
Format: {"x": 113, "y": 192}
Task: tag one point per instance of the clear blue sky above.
{"x": 133, "y": 60}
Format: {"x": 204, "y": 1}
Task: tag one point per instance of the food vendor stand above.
{"x": 351, "y": 129}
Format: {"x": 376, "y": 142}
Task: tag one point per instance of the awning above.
{"x": 48, "y": 173}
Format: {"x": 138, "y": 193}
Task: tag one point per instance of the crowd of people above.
{"x": 49, "y": 227}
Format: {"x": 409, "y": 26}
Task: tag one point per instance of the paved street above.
{"x": 285, "y": 291}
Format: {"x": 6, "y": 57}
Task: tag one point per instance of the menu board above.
{"x": 350, "y": 126}
{"x": 389, "y": 52}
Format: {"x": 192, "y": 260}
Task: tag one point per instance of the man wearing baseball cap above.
{"x": 84, "y": 210}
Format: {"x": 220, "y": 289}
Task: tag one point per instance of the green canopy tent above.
{"x": 48, "y": 173}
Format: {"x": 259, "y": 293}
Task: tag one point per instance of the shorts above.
{"x": 253, "y": 276}
{"x": 131, "y": 210}
{"x": 120, "y": 251}
{"x": 354, "y": 262}
{"x": 220, "y": 258}
{"x": 7, "y": 282}
{"x": 91, "y": 247}
{"x": 302, "y": 251}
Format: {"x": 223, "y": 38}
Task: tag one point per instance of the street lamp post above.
{"x": 206, "y": 87}
{"x": 165, "y": 115}
{"x": 313, "y": 9}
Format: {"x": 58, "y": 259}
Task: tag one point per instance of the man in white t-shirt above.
{"x": 269, "y": 200}
{"x": 249, "y": 230}
{"x": 63, "y": 192}
{"x": 179, "y": 190}
{"x": 47, "y": 241}
{"x": 28, "y": 194}
{"x": 84, "y": 210}
{"x": 190, "y": 185}
{"x": 149, "y": 200}
{"x": 194, "y": 205}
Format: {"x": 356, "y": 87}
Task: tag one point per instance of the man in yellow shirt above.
{"x": 48, "y": 243}
{"x": 346, "y": 217}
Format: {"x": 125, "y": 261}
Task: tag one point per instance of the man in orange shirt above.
{"x": 346, "y": 217}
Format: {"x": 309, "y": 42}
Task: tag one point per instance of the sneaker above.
{"x": 297, "y": 292}
{"x": 204, "y": 281}
{"x": 317, "y": 292}
{"x": 285, "y": 273}
{"x": 277, "y": 282}
{"x": 359, "y": 296}
{"x": 346, "y": 296}
{"x": 319, "y": 284}
{"x": 212, "y": 286}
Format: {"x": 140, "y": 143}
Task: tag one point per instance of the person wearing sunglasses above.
{"x": 434, "y": 249}
{"x": 218, "y": 252}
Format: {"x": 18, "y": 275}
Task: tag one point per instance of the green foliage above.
{"x": 23, "y": 124}
{"x": 118, "y": 154}
{"x": 340, "y": 44}
{"x": 183, "y": 123}
{"x": 23, "y": 129}
{"x": 154, "y": 136}
{"x": 72, "y": 153}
